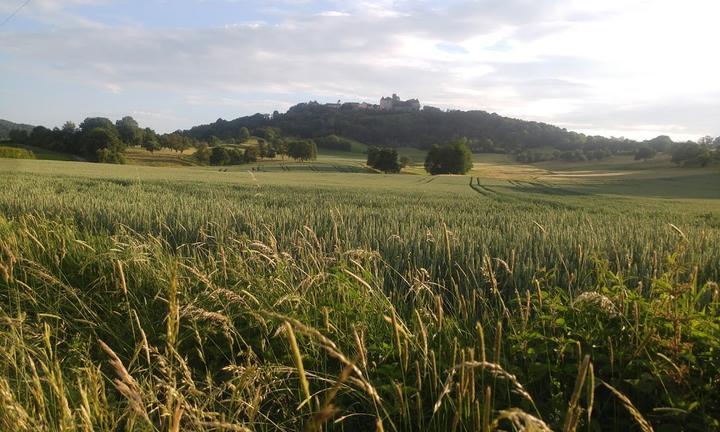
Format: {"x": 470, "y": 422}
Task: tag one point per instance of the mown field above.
{"x": 262, "y": 298}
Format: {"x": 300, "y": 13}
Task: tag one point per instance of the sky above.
{"x": 633, "y": 68}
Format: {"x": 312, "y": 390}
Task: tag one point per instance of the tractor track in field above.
{"x": 547, "y": 189}
{"x": 522, "y": 187}
{"x": 482, "y": 190}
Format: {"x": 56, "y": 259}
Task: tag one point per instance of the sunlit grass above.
{"x": 154, "y": 299}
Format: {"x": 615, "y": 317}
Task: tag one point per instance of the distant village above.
{"x": 393, "y": 103}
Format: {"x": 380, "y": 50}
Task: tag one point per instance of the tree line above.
{"x": 702, "y": 153}
{"x": 221, "y": 154}
{"x": 98, "y": 139}
{"x": 455, "y": 157}
{"x": 689, "y": 153}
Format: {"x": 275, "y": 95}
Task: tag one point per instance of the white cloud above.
{"x": 632, "y": 65}
{"x": 333, "y": 14}
{"x": 113, "y": 88}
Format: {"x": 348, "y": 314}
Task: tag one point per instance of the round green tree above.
{"x": 454, "y": 157}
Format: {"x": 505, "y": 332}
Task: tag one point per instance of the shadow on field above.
{"x": 704, "y": 186}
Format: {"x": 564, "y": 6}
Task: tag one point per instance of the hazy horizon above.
{"x": 624, "y": 68}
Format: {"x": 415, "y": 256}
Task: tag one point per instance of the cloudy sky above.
{"x": 635, "y": 68}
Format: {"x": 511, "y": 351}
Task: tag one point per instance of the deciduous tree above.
{"x": 251, "y": 155}
{"x": 244, "y": 134}
{"x": 150, "y": 140}
{"x": 102, "y": 145}
{"x": 129, "y": 131}
{"x": 219, "y": 156}
{"x": 302, "y": 150}
{"x": 383, "y": 159}
{"x": 452, "y": 158}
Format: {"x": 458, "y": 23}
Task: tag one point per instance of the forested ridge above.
{"x": 489, "y": 132}
{"x": 6, "y": 126}
{"x": 333, "y": 126}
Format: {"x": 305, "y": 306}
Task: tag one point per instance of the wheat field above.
{"x": 169, "y": 299}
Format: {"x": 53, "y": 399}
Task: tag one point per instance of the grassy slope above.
{"x": 612, "y": 163}
{"x": 43, "y": 154}
{"x": 622, "y": 175}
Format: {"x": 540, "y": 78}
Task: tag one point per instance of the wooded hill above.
{"x": 488, "y": 132}
{"x": 6, "y": 126}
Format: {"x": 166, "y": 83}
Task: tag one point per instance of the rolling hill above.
{"x": 6, "y": 126}
{"x": 417, "y": 128}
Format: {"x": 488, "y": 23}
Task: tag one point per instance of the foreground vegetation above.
{"x": 188, "y": 299}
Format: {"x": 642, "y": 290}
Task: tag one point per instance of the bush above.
{"x": 15, "y": 153}
{"x": 237, "y": 156}
{"x": 107, "y": 155}
{"x": 219, "y": 156}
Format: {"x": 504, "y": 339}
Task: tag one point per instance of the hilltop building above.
{"x": 394, "y": 103}
{"x": 334, "y": 105}
{"x": 358, "y": 106}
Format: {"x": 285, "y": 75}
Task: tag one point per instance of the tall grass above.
{"x": 159, "y": 307}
